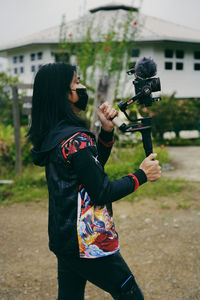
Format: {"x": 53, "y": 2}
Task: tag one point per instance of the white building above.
{"x": 175, "y": 48}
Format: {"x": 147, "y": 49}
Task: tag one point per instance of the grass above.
{"x": 165, "y": 206}
{"x": 183, "y": 205}
{"x": 30, "y": 186}
{"x": 159, "y": 189}
{"x": 126, "y": 160}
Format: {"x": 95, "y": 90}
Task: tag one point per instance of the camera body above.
{"x": 144, "y": 88}
{"x": 145, "y": 83}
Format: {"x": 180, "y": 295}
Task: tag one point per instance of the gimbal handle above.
{"x": 147, "y": 141}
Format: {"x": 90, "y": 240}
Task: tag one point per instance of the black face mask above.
{"x": 82, "y": 99}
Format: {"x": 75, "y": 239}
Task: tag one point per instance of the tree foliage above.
{"x": 6, "y": 81}
{"x": 107, "y": 52}
{"x": 6, "y": 115}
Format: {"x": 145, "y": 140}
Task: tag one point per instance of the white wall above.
{"x": 28, "y": 75}
{"x": 185, "y": 82}
{"x": 3, "y": 64}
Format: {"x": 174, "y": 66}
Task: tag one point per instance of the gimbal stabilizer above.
{"x": 144, "y": 86}
{"x": 143, "y": 125}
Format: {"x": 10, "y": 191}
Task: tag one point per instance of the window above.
{"x": 180, "y": 54}
{"x": 15, "y": 70}
{"x": 179, "y": 66}
{"x": 168, "y": 65}
{"x": 197, "y": 67}
{"x": 131, "y": 65}
{"x": 32, "y": 68}
{"x": 197, "y": 55}
{"x": 62, "y": 57}
{"x": 173, "y": 59}
{"x": 39, "y": 55}
{"x": 135, "y": 53}
{"x": 21, "y": 59}
{"x": 169, "y": 53}
{"x": 32, "y": 56}
{"x": 15, "y": 59}
{"x": 39, "y": 67}
{"x": 21, "y": 69}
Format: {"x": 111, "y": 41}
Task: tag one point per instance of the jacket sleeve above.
{"x": 104, "y": 146}
{"x": 91, "y": 175}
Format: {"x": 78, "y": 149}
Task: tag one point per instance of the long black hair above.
{"x": 49, "y": 101}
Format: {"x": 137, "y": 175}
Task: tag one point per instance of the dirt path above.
{"x": 159, "y": 243}
{"x": 160, "y": 246}
{"x": 186, "y": 162}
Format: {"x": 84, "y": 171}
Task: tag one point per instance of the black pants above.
{"x": 110, "y": 273}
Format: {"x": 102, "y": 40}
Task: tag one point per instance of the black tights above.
{"x": 109, "y": 273}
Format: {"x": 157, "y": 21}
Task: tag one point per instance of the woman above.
{"x": 81, "y": 229}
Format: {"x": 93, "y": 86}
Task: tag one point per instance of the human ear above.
{"x": 72, "y": 96}
{"x": 69, "y": 96}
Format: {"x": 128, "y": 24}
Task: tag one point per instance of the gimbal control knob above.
{"x": 146, "y": 90}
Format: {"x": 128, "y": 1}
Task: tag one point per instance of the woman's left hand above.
{"x": 105, "y": 113}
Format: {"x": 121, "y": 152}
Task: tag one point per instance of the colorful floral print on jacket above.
{"x": 95, "y": 227}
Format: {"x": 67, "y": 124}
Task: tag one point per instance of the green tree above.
{"x": 6, "y": 82}
{"x": 6, "y": 115}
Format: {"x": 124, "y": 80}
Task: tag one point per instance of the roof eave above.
{"x": 27, "y": 44}
{"x": 156, "y": 39}
{"x": 167, "y": 39}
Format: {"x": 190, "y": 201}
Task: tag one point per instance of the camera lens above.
{"x": 155, "y": 84}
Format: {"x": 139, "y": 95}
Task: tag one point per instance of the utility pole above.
{"x": 16, "y": 121}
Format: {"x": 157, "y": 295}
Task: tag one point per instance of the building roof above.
{"x": 100, "y": 20}
{"x": 113, "y": 6}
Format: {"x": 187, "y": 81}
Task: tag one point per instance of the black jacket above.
{"x": 65, "y": 176}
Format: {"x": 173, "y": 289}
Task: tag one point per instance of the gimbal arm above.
{"x": 143, "y": 125}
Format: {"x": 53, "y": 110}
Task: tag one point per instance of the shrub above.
{"x": 172, "y": 114}
{"x": 7, "y": 147}
{"x": 179, "y": 142}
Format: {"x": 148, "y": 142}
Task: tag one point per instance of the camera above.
{"x": 144, "y": 85}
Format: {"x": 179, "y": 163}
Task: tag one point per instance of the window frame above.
{"x": 165, "y": 53}
{"x": 40, "y": 55}
{"x": 169, "y": 62}
{"x": 179, "y": 63}
{"x": 21, "y": 58}
{"x": 137, "y": 54}
{"x": 194, "y": 54}
{"x": 14, "y": 59}
{"x": 32, "y": 56}
{"x": 197, "y": 69}
{"x": 33, "y": 68}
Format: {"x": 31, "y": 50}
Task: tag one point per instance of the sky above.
{"x": 19, "y": 18}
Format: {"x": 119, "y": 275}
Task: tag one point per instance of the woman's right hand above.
{"x": 151, "y": 167}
